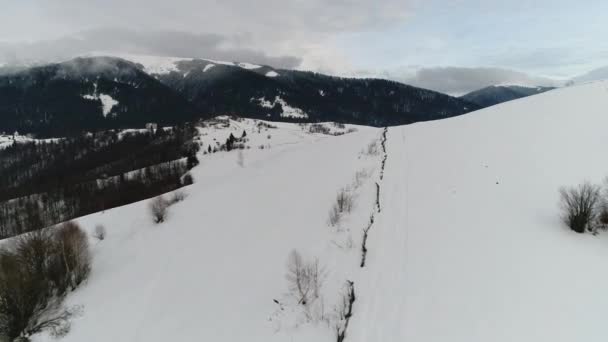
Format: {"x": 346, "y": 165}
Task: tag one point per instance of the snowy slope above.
{"x": 164, "y": 65}
{"x": 7, "y": 140}
{"x": 212, "y": 270}
{"x": 470, "y": 246}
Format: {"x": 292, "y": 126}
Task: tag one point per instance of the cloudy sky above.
{"x": 452, "y": 46}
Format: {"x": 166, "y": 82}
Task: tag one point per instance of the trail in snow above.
{"x": 377, "y": 207}
{"x": 382, "y": 283}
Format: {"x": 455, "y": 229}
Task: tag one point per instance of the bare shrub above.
{"x": 334, "y": 215}
{"x": 100, "y": 232}
{"x": 305, "y": 278}
{"x": 178, "y": 196}
{"x": 360, "y": 177}
{"x": 344, "y": 201}
{"x": 36, "y": 271}
{"x": 74, "y": 248}
{"x": 342, "y": 205}
{"x": 579, "y": 206}
{"x": 602, "y": 218}
{"x": 372, "y": 149}
{"x": 158, "y": 209}
{"x": 319, "y": 128}
{"x": 188, "y": 179}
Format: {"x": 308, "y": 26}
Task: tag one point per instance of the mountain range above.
{"x": 97, "y": 93}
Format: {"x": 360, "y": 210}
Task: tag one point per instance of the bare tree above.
{"x": 100, "y": 232}
{"x": 305, "y": 278}
{"x": 36, "y": 271}
{"x": 158, "y": 209}
{"x": 579, "y": 206}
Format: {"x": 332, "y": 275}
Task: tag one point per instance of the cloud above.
{"x": 162, "y": 43}
{"x": 458, "y": 81}
{"x": 243, "y": 27}
{"x": 593, "y": 75}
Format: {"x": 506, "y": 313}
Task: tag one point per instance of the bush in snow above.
{"x": 305, "y": 278}
{"x": 158, "y": 209}
{"x": 579, "y": 206}
{"x": 36, "y": 271}
{"x": 100, "y": 232}
{"x": 360, "y": 177}
{"x": 178, "y": 196}
{"x": 187, "y": 179}
{"x": 74, "y": 248}
{"x": 372, "y": 149}
{"x": 602, "y": 217}
{"x": 343, "y": 204}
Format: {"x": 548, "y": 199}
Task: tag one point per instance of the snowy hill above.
{"x": 464, "y": 244}
{"x": 473, "y": 248}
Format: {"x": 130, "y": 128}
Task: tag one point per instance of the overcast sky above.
{"x": 452, "y": 46}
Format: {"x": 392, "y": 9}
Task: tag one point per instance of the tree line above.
{"x": 47, "y": 183}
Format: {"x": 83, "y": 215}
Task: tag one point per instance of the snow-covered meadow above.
{"x": 214, "y": 269}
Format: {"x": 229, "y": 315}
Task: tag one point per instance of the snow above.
{"x": 288, "y": 111}
{"x": 467, "y": 246}
{"x": 470, "y": 247}
{"x": 164, "y": 64}
{"x": 107, "y": 102}
{"x": 154, "y": 64}
{"x": 212, "y": 270}
{"x": 249, "y": 66}
{"x": 207, "y": 67}
{"x": 7, "y": 140}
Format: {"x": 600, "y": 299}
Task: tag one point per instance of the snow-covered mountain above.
{"x": 92, "y": 93}
{"x": 86, "y": 94}
{"x": 457, "y": 219}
